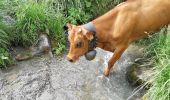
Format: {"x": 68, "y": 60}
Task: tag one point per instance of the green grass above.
{"x": 4, "y": 39}
{"x": 5, "y": 57}
{"x": 56, "y": 33}
{"x": 161, "y": 84}
{"x": 31, "y": 18}
{"x": 158, "y": 48}
{"x": 34, "y": 18}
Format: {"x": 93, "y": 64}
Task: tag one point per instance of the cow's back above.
{"x": 151, "y": 16}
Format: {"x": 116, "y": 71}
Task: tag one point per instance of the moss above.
{"x": 134, "y": 73}
{"x": 133, "y": 76}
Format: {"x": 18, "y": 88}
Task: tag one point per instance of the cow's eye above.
{"x": 78, "y": 45}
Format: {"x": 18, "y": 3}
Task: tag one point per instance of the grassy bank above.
{"x": 158, "y": 49}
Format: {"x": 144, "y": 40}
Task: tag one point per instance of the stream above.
{"x": 45, "y": 78}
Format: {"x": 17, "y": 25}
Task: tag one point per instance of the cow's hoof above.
{"x": 106, "y": 72}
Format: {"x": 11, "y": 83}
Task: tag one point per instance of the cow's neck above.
{"x": 104, "y": 26}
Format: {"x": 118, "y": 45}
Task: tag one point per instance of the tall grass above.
{"x": 31, "y": 18}
{"x": 159, "y": 51}
{"x": 4, "y": 39}
{"x": 36, "y": 17}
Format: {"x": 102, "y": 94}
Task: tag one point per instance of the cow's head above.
{"x": 79, "y": 39}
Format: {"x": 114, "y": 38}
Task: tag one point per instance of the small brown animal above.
{"x": 115, "y": 30}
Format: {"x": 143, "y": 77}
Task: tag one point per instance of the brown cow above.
{"x": 115, "y": 30}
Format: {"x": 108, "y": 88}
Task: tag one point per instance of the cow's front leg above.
{"x": 117, "y": 54}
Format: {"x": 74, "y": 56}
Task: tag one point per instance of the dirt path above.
{"x": 57, "y": 79}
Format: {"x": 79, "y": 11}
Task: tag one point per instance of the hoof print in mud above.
{"x": 140, "y": 73}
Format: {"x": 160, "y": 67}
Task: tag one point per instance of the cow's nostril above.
{"x": 71, "y": 60}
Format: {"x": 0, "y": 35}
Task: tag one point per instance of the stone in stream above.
{"x": 42, "y": 46}
{"x": 140, "y": 73}
{"x": 24, "y": 55}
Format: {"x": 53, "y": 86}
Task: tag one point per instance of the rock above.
{"x": 42, "y": 78}
{"x": 140, "y": 73}
{"x": 24, "y": 56}
{"x": 42, "y": 46}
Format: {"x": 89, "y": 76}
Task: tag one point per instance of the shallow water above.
{"x": 42, "y": 78}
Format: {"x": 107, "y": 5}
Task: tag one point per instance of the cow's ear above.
{"x": 89, "y": 35}
{"x": 69, "y": 26}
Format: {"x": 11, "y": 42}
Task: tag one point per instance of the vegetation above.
{"x": 5, "y": 57}
{"x": 159, "y": 50}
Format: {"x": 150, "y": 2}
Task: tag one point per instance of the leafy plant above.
{"x": 56, "y": 33}
{"x": 5, "y": 58}
{"x": 75, "y": 16}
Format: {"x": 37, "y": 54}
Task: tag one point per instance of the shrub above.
{"x": 75, "y": 16}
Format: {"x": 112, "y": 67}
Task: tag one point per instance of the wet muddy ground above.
{"x": 44, "y": 78}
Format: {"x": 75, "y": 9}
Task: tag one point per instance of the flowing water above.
{"x": 42, "y": 78}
